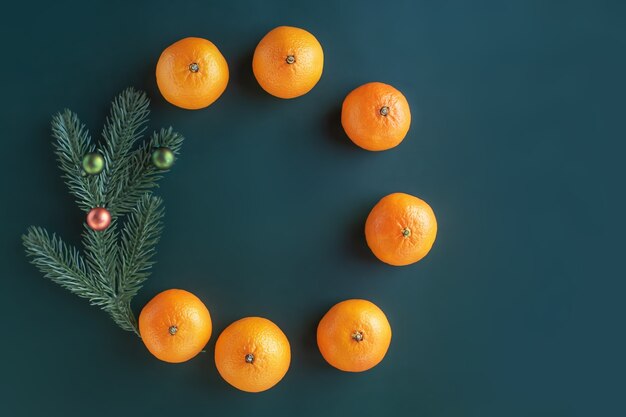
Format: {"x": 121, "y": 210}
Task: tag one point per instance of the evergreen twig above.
{"x": 64, "y": 265}
{"x": 144, "y": 176}
{"x": 101, "y": 254}
{"x": 72, "y": 143}
{"x": 140, "y": 235}
{"x": 115, "y": 264}
{"x": 124, "y": 126}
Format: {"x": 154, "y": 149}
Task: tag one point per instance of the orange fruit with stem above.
{"x": 288, "y": 62}
{"x": 354, "y": 335}
{"x": 175, "y": 325}
{"x": 252, "y": 354}
{"x": 401, "y": 229}
{"x": 192, "y": 73}
{"x": 376, "y": 116}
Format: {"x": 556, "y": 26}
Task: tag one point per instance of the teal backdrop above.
{"x": 517, "y": 142}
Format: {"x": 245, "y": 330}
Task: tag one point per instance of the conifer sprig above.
{"x": 72, "y": 143}
{"x": 114, "y": 264}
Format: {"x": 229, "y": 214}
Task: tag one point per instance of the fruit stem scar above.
{"x": 194, "y": 67}
{"x": 406, "y": 232}
{"x": 384, "y": 111}
{"x": 290, "y": 59}
{"x": 249, "y": 358}
{"x": 172, "y": 330}
{"x": 357, "y": 335}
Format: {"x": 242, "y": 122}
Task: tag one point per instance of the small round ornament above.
{"x": 163, "y": 158}
{"x": 93, "y": 163}
{"x": 98, "y": 219}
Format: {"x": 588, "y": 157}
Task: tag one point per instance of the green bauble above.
{"x": 93, "y": 163}
{"x": 163, "y": 158}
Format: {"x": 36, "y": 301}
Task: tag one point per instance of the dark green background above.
{"x": 517, "y": 142}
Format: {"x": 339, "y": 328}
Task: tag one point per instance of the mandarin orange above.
{"x": 252, "y": 354}
{"x": 376, "y": 116}
{"x": 192, "y": 73}
{"x": 354, "y": 335}
{"x": 401, "y": 229}
{"x": 175, "y": 325}
{"x": 288, "y": 62}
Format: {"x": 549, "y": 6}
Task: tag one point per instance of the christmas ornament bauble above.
{"x": 93, "y": 163}
{"x": 98, "y": 218}
{"x": 163, "y": 158}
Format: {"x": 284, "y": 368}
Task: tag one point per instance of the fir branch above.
{"x": 142, "y": 175}
{"x": 140, "y": 235}
{"x": 72, "y": 143}
{"x": 101, "y": 254}
{"x": 124, "y": 126}
{"x": 115, "y": 265}
{"x": 63, "y": 265}
{"x": 122, "y": 314}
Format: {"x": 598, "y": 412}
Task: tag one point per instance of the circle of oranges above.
{"x": 253, "y": 354}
